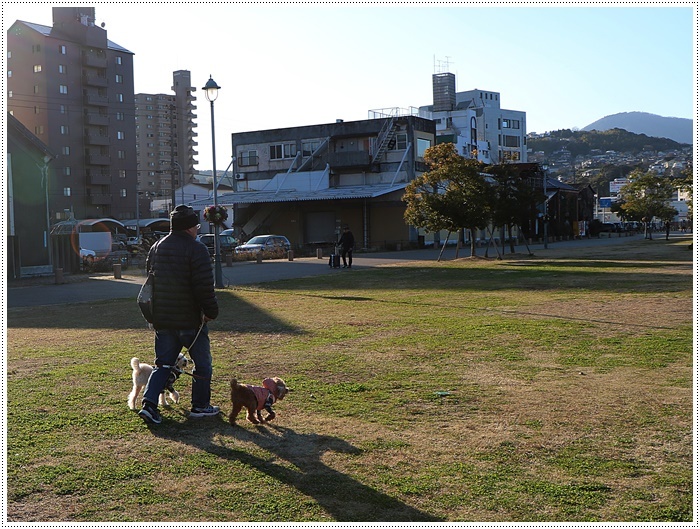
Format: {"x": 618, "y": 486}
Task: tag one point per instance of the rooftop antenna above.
{"x": 441, "y": 66}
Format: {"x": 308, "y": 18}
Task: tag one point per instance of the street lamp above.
{"x": 211, "y": 91}
{"x": 182, "y": 184}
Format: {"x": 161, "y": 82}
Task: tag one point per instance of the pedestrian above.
{"x": 668, "y": 229}
{"x": 346, "y": 242}
{"x": 183, "y": 302}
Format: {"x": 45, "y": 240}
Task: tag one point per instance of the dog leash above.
{"x": 187, "y": 351}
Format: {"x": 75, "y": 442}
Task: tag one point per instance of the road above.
{"x": 104, "y": 286}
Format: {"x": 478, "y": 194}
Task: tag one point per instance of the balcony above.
{"x": 98, "y": 177}
{"x": 349, "y": 159}
{"x": 95, "y": 80}
{"x": 94, "y": 61}
{"x": 95, "y": 100}
{"x": 96, "y": 119}
{"x": 97, "y": 159}
{"x": 96, "y": 139}
{"x": 100, "y": 199}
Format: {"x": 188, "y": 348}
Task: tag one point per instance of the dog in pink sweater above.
{"x": 256, "y": 398}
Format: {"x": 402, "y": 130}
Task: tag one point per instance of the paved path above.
{"x": 104, "y": 286}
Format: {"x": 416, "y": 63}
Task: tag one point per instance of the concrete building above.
{"x": 475, "y": 122}
{"x": 74, "y": 89}
{"x": 165, "y": 142}
{"x": 307, "y": 182}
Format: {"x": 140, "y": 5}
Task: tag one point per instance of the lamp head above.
{"x": 211, "y": 89}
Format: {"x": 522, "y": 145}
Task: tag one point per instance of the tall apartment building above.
{"x": 74, "y": 89}
{"x": 165, "y": 142}
{"x": 475, "y": 122}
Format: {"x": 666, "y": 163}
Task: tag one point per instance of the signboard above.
{"x": 617, "y": 184}
{"x": 605, "y": 202}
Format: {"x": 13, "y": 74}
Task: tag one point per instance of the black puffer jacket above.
{"x": 183, "y": 286}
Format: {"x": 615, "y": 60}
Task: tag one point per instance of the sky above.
{"x": 285, "y": 65}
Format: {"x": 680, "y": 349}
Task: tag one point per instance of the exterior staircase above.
{"x": 385, "y": 140}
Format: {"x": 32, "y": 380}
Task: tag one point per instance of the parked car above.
{"x": 87, "y": 256}
{"x": 228, "y": 231}
{"x": 264, "y": 243}
{"x": 227, "y": 243}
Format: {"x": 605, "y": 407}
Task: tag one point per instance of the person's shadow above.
{"x": 344, "y": 498}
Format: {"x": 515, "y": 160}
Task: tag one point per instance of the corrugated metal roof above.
{"x": 290, "y": 195}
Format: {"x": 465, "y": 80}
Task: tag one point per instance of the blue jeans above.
{"x": 168, "y": 345}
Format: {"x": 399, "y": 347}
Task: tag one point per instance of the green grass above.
{"x": 548, "y": 389}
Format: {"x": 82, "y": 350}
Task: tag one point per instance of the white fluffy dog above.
{"x": 140, "y": 375}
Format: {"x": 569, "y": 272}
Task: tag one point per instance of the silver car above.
{"x": 264, "y": 243}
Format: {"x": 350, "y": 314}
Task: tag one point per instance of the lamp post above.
{"x": 211, "y": 90}
{"x": 182, "y": 184}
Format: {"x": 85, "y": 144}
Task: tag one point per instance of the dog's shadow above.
{"x": 343, "y": 497}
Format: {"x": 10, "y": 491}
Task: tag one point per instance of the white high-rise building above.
{"x": 475, "y": 122}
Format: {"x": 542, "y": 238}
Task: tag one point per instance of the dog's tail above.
{"x": 135, "y": 363}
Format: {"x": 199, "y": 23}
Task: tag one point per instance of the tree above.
{"x": 452, "y": 195}
{"x": 646, "y": 196}
{"x": 516, "y": 196}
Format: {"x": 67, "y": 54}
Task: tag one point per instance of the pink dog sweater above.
{"x": 266, "y": 395}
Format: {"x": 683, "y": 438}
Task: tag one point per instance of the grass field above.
{"x": 534, "y": 389}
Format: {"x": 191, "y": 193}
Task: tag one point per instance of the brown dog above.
{"x": 256, "y": 398}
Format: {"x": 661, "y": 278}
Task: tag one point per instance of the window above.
{"x": 421, "y": 146}
{"x": 401, "y": 142}
{"x": 37, "y": 68}
{"x": 511, "y": 141}
{"x": 66, "y": 171}
{"x": 117, "y": 60}
{"x": 120, "y": 135}
{"x": 63, "y": 89}
{"x": 308, "y": 147}
{"x": 9, "y": 94}
{"x": 119, "y": 78}
{"x": 122, "y": 173}
{"x": 120, "y": 116}
{"x": 281, "y": 151}
{"x": 36, "y": 110}
{"x": 61, "y": 68}
{"x": 248, "y": 158}
{"x": 65, "y": 150}
{"x": 64, "y": 130}
{"x": 120, "y": 98}
{"x": 121, "y": 155}
{"x": 9, "y": 73}
{"x": 62, "y": 109}
{"x": 62, "y": 49}
{"x": 36, "y": 88}
{"x": 39, "y": 129}
{"x": 122, "y": 193}
{"x": 9, "y": 55}
{"x": 36, "y": 48}
{"x": 66, "y": 191}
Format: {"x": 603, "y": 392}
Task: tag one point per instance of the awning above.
{"x": 291, "y": 195}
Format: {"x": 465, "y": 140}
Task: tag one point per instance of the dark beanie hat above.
{"x": 183, "y": 218}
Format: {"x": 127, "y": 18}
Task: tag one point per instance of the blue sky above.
{"x": 287, "y": 65}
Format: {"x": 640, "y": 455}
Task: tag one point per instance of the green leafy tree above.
{"x": 453, "y": 194}
{"x": 646, "y": 196}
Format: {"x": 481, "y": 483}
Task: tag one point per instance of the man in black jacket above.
{"x": 347, "y": 242}
{"x": 183, "y": 302}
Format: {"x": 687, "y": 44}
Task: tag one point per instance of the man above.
{"x": 347, "y": 242}
{"x": 183, "y": 302}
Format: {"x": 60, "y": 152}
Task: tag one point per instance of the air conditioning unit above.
{"x": 240, "y": 176}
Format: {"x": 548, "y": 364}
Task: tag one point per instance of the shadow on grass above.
{"x": 345, "y": 499}
{"x": 236, "y": 314}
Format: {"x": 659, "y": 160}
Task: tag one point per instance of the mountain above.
{"x": 677, "y": 129}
